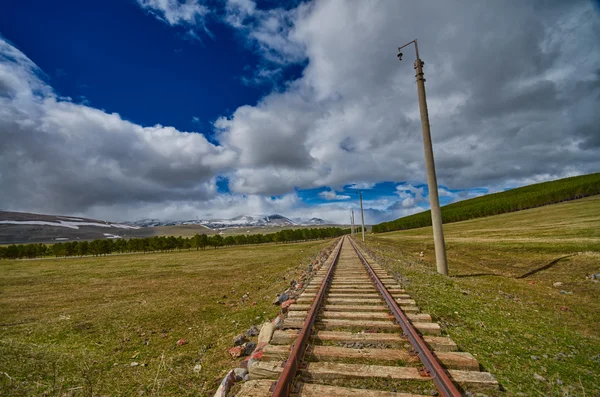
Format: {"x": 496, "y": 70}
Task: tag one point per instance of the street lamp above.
{"x": 436, "y": 213}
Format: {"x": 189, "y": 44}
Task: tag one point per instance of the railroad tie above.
{"x": 352, "y": 325}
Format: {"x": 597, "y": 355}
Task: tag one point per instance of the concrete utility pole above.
{"x": 436, "y": 213}
{"x": 362, "y": 215}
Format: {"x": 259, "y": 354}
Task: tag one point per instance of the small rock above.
{"x": 535, "y": 358}
{"x": 239, "y": 340}
{"x": 468, "y": 394}
{"x": 278, "y": 322}
{"x": 197, "y": 368}
{"x": 559, "y": 382}
{"x": 422, "y": 254}
{"x": 182, "y": 342}
{"x": 241, "y": 374}
{"x": 285, "y": 305}
{"x": 539, "y": 377}
{"x": 281, "y": 298}
{"x": 266, "y": 332}
{"x": 235, "y": 352}
{"x": 249, "y": 348}
{"x": 134, "y": 364}
{"x": 252, "y": 331}
{"x": 433, "y": 392}
{"x": 557, "y": 284}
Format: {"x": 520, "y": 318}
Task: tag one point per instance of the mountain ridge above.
{"x": 235, "y": 222}
{"x": 24, "y": 227}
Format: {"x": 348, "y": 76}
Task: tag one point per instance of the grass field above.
{"x": 500, "y": 302}
{"x": 73, "y": 327}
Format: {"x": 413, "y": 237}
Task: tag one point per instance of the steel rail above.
{"x": 283, "y": 386}
{"x": 437, "y": 373}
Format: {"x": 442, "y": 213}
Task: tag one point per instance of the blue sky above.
{"x": 179, "y": 109}
{"x": 123, "y": 60}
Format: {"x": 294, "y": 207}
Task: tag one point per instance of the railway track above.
{"x": 355, "y": 332}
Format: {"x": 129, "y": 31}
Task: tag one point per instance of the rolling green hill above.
{"x": 499, "y": 203}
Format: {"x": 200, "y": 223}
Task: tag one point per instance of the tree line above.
{"x": 499, "y": 203}
{"x": 162, "y": 243}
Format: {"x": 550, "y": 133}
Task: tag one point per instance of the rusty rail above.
{"x": 433, "y": 367}
{"x": 283, "y": 386}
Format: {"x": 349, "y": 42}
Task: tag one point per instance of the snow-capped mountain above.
{"x": 24, "y": 227}
{"x": 237, "y": 222}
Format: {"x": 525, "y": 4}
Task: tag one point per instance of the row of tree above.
{"x": 508, "y": 201}
{"x": 162, "y": 244}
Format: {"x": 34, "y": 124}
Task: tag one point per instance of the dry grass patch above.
{"x": 500, "y": 303}
{"x": 110, "y": 325}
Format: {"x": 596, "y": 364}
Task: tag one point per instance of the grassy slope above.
{"x": 525, "y": 197}
{"x": 121, "y": 307}
{"x": 500, "y": 303}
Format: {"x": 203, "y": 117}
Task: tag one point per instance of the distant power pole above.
{"x": 352, "y": 222}
{"x": 362, "y": 215}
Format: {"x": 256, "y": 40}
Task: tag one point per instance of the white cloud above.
{"x": 271, "y": 32}
{"x": 332, "y": 195}
{"x": 189, "y": 13}
{"x": 353, "y": 114}
{"x": 442, "y": 192}
{"x": 361, "y": 185}
{"x": 408, "y": 202}
{"x": 410, "y": 191}
{"x": 67, "y": 157}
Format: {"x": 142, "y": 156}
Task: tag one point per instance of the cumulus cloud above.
{"x": 443, "y": 192}
{"x": 513, "y": 92}
{"x": 409, "y": 191}
{"x": 59, "y": 156}
{"x": 362, "y": 185}
{"x": 332, "y": 195}
{"x": 271, "y": 32}
{"x": 353, "y": 115}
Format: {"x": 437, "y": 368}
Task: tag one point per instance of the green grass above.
{"x": 500, "y": 303}
{"x": 526, "y": 197}
{"x": 72, "y": 327}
